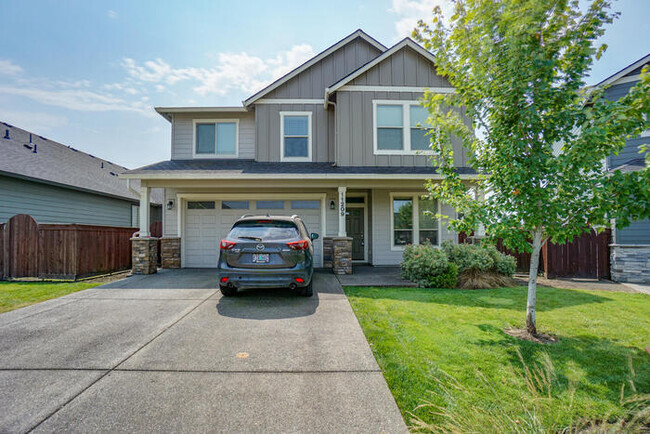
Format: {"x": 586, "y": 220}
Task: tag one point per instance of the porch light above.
{"x": 332, "y": 204}
{"x": 170, "y": 205}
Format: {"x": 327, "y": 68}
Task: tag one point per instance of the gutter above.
{"x": 131, "y": 189}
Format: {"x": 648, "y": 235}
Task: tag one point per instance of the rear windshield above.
{"x": 264, "y": 230}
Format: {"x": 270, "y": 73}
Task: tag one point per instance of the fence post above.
{"x": 545, "y": 260}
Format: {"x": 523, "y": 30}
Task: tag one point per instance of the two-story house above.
{"x": 630, "y": 253}
{"x": 338, "y": 141}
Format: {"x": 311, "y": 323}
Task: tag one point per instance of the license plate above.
{"x": 260, "y": 257}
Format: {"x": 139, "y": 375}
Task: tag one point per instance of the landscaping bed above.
{"x": 450, "y": 347}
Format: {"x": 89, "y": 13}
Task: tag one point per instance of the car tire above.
{"x": 228, "y": 291}
{"x": 308, "y": 290}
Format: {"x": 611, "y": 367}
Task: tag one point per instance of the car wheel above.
{"x": 308, "y": 290}
{"x": 228, "y": 291}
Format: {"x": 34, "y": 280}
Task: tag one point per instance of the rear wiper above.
{"x": 251, "y": 238}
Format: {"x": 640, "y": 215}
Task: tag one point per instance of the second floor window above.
{"x": 295, "y": 136}
{"x": 400, "y": 127}
{"x": 215, "y": 138}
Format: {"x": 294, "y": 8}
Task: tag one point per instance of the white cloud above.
{"x": 410, "y": 11}
{"x": 36, "y": 121}
{"x": 7, "y": 67}
{"x": 112, "y": 14}
{"x": 77, "y": 99}
{"x": 233, "y": 71}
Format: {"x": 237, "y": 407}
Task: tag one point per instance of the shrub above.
{"x": 468, "y": 256}
{"x": 428, "y": 267}
{"x": 503, "y": 264}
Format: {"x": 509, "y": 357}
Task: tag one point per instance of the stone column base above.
{"x": 144, "y": 255}
{"x": 342, "y": 255}
{"x": 328, "y": 252}
{"x": 631, "y": 263}
{"x": 170, "y": 252}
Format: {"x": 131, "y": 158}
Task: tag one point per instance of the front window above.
{"x": 295, "y": 136}
{"x": 414, "y": 220}
{"x": 402, "y": 221}
{"x": 400, "y": 128}
{"x": 215, "y": 139}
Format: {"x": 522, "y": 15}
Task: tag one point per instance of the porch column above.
{"x": 145, "y": 192}
{"x": 342, "y": 212}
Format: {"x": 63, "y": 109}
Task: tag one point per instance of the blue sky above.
{"x": 87, "y": 73}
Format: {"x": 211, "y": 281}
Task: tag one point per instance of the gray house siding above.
{"x": 354, "y": 123}
{"x": 637, "y": 233}
{"x": 404, "y": 68}
{"x": 183, "y": 134}
{"x": 268, "y": 131}
{"x": 312, "y": 82}
{"x": 354, "y": 110}
{"x": 52, "y": 204}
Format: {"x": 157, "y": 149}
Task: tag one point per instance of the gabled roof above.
{"x": 623, "y": 72}
{"x": 356, "y": 34}
{"x": 51, "y": 162}
{"x": 406, "y": 42}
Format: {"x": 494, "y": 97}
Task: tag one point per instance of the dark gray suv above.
{"x": 267, "y": 252}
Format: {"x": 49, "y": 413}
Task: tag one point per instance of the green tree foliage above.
{"x": 538, "y": 136}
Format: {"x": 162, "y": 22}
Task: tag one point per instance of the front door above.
{"x": 354, "y": 228}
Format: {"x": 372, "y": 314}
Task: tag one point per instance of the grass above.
{"x": 14, "y": 295}
{"x": 448, "y": 347}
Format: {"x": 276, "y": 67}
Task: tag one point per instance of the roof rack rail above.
{"x": 246, "y": 215}
{"x": 295, "y": 216}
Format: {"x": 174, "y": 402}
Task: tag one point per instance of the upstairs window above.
{"x": 295, "y": 136}
{"x": 400, "y": 128}
{"x": 215, "y": 139}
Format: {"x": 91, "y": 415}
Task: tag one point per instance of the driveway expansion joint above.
{"x": 60, "y": 407}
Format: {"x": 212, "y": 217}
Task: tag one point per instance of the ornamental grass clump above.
{"x": 465, "y": 266}
{"x": 480, "y": 265}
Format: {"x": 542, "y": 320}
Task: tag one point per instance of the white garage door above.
{"x": 207, "y": 222}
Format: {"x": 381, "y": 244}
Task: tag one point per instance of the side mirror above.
{"x": 314, "y": 236}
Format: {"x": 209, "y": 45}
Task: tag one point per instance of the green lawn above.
{"x": 425, "y": 339}
{"x": 14, "y": 295}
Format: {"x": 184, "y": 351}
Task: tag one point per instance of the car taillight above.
{"x": 299, "y": 245}
{"x": 227, "y": 245}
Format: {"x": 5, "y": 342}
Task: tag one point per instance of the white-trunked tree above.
{"x": 538, "y": 135}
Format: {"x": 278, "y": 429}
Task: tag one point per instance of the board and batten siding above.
{"x": 405, "y": 67}
{"x": 354, "y": 123}
{"x": 183, "y": 134}
{"x": 267, "y": 120}
{"x": 311, "y": 83}
{"x": 382, "y": 213}
{"x": 52, "y": 204}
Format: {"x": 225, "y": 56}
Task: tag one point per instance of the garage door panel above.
{"x": 205, "y": 228}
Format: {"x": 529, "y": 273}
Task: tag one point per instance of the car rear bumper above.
{"x": 265, "y": 278}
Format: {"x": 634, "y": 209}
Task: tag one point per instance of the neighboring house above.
{"x": 631, "y": 245}
{"x": 55, "y": 183}
{"x": 336, "y": 141}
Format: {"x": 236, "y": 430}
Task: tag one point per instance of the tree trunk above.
{"x": 531, "y": 323}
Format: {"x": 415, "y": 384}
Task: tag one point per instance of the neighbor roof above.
{"x": 240, "y": 168}
{"x": 48, "y": 161}
{"x": 623, "y": 72}
{"x": 356, "y": 34}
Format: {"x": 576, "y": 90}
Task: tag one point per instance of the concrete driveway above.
{"x": 167, "y": 353}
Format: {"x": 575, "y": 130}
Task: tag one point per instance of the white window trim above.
{"x": 309, "y": 136}
{"x": 416, "y": 219}
{"x": 195, "y": 122}
{"x": 406, "y": 128}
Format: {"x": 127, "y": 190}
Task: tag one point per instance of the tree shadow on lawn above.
{"x": 586, "y": 360}
{"x": 514, "y": 298}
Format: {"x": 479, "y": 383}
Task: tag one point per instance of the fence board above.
{"x": 586, "y": 256}
{"x": 66, "y": 251}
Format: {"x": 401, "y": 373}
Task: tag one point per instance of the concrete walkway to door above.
{"x": 167, "y": 353}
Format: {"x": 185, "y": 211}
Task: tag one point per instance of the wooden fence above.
{"x": 62, "y": 251}
{"x": 586, "y": 256}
